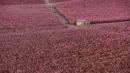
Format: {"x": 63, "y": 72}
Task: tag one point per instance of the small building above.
{"x": 81, "y": 22}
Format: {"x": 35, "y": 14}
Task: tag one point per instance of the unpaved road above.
{"x": 57, "y": 13}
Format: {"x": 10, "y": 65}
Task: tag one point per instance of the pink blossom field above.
{"x": 34, "y": 40}
{"x": 15, "y": 2}
{"x": 24, "y": 18}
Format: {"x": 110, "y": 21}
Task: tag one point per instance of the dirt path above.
{"x": 66, "y": 22}
{"x": 58, "y": 14}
